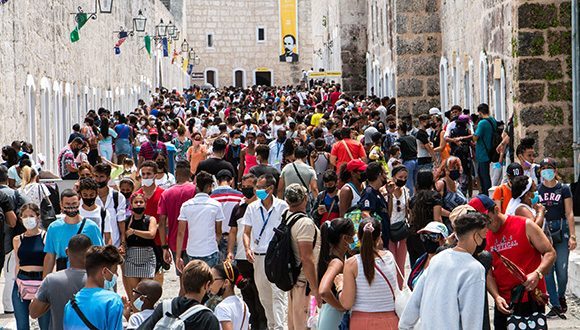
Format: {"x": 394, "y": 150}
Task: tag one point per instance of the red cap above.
{"x": 356, "y": 165}
{"x": 482, "y": 203}
{"x": 153, "y": 131}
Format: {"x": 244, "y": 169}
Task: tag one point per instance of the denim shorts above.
{"x": 212, "y": 260}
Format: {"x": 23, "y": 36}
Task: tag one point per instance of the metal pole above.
{"x": 576, "y": 85}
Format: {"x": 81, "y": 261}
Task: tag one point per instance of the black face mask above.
{"x": 248, "y": 192}
{"x": 153, "y": 138}
{"x": 127, "y": 195}
{"x": 401, "y": 183}
{"x": 392, "y": 126}
{"x": 89, "y": 201}
{"x": 363, "y": 177}
{"x": 138, "y": 210}
{"x": 76, "y": 151}
{"x": 433, "y": 125}
{"x": 71, "y": 212}
{"x": 430, "y": 246}
{"x": 479, "y": 248}
{"x": 161, "y": 165}
{"x": 454, "y": 118}
{"x": 454, "y": 174}
{"x": 102, "y": 184}
{"x": 330, "y": 190}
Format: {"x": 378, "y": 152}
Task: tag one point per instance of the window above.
{"x": 468, "y": 87}
{"x": 456, "y": 81}
{"x": 499, "y": 91}
{"x": 30, "y": 91}
{"x": 263, "y": 78}
{"x": 261, "y": 34}
{"x": 239, "y": 78}
{"x": 67, "y": 106}
{"x": 56, "y": 131}
{"x": 211, "y": 77}
{"x": 210, "y": 40}
{"x": 483, "y": 85}
{"x": 443, "y": 92}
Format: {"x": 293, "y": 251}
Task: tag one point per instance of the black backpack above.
{"x": 495, "y": 141}
{"x": 280, "y": 263}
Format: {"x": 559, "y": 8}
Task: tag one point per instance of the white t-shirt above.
{"x": 34, "y": 193}
{"x": 233, "y": 309}
{"x": 96, "y": 217}
{"x": 400, "y": 203}
{"x": 166, "y": 181}
{"x": 138, "y": 318}
{"x": 117, "y": 215}
{"x": 201, "y": 213}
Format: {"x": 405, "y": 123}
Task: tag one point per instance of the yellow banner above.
{"x": 325, "y": 74}
{"x": 289, "y": 31}
{"x": 185, "y": 63}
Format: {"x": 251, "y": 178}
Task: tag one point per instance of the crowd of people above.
{"x": 213, "y": 183}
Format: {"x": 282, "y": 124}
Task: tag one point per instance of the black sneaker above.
{"x": 556, "y": 312}
{"x": 563, "y": 304}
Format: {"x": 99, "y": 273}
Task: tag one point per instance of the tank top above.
{"x": 31, "y": 250}
{"x": 251, "y": 161}
{"x": 512, "y": 242}
{"x": 376, "y": 297}
{"x": 452, "y": 199}
{"x": 355, "y": 194}
{"x": 135, "y": 240}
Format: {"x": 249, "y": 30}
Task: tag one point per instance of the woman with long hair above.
{"x": 449, "y": 188}
{"x": 30, "y": 187}
{"x": 336, "y": 236}
{"x": 398, "y": 207}
{"x": 425, "y": 206}
{"x": 106, "y": 139}
{"x": 525, "y": 200}
{"x": 369, "y": 282}
{"x": 163, "y": 178}
{"x": 232, "y": 312}
{"x": 181, "y": 143}
{"x": 248, "y": 155}
{"x": 9, "y": 156}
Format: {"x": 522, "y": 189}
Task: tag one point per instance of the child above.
{"x": 394, "y": 158}
{"x": 145, "y": 295}
{"x": 376, "y": 154}
{"x": 232, "y": 312}
{"x": 503, "y": 194}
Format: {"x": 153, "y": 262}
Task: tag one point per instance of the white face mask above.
{"x": 29, "y": 223}
{"x": 147, "y": 182}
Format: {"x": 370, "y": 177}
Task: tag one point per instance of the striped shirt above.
{"x": 228, "y": 199}
{"x": 376, "y": 297}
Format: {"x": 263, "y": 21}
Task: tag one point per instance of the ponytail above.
{"x": 230, "y": 272}
{"x": 369, "y": 231}
{"x": 28, "y": 174}
{"x": 330, "y": 233}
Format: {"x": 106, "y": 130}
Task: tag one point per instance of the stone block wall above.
{"x": 543, "y": 77}
{"x": 352, "y": 49}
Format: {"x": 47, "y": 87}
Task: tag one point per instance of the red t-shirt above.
{"x": 151, "y": 207}
{"x": 170, "y": 205}
{"x": 512, "y": 242}
{"x": 334, "y": 96}
{"x": 342, "y": 156}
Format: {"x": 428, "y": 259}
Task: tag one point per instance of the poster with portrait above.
{"x": 289, "y": 31}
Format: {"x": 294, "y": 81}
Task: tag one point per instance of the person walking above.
{"x": 483, "y": 137}
{"x": 408, "y": 145}
{"x": 398, "y": 200}
{"x": 30, "y": 188}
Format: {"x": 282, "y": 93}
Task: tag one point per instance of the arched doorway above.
{"x": 239, "y": 78}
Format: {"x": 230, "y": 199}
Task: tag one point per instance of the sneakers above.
{"x": 556, "y": 312}
{"x": 563, "y": 304}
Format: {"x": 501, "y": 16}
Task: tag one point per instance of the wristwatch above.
{"x": 540, "y": 275}
{"x": 165, "y": 247}
{"x": 573, "y": 237}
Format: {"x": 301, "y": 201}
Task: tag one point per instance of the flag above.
{"x": 147, "y": 39}
{"x": 175, "y": 55}
{"x": 117, "y": 51}
{"x": 81, "y": 19}
{"x": 185, "y": 64}
{"x": 165, "y": 47}
{"x": 190, "y": 69}
{"x": 122, "y": 37}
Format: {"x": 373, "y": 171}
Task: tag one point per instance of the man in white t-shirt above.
{"x": 113, "y": 201}
{"x": 202, "y": 215}
{"x": 90, "y": 210}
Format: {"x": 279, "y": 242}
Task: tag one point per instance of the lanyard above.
{"x": 278, "y": 147}
{"x": 265, "y": 222}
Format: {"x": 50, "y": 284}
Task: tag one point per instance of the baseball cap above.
{"x": 225, "y": 173}
{"x": 434, "y": 111}
{"x": 356, "y": 165}
{"x": 295, "y": 193}
{"x": 482, "y": 203}
{"x": 549, "y": 162}
{"x": 514, "y": 169}
{"x": 435, "y": 227}
{"x": 463, "y": 118}
{"x": 459, "y": 211}
{"x": 153, "y": 131}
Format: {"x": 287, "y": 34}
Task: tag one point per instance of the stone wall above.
{"x": 543, "y": 72}
{"x": 35, "y": 48}
{"x": 233, "y": 24}
{"x": 352, "y": 46}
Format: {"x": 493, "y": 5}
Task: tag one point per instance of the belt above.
{"x": 31, "y": 274}
{"x": 259, "y": 254}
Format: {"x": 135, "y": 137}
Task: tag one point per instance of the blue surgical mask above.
{"x": 548, "y": 174}
{"x": 536, "y": 198}
{"x": 138, "y": 304}
{"x": 237, "y": 142}
{"x": 109, "y": 285}
{"x": 262, "y": 194}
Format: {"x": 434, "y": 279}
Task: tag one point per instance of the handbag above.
{"x": 400, "y": 297}
{"x": 536, "y": 321}
{"x": 47, "y": 214}
{"x": 27, "y": 288}
{"x": 399, "y": 230}
{"x": 557, "y": 235}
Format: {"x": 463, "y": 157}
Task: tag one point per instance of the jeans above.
{"x": 21, "y": 306}
{"x": 559, "y": 272}
{"x": 212, "y": 260}
{"x": 484, "y": 177}
{"x": 329, "y": 318}
{"x": 411, "y": 166}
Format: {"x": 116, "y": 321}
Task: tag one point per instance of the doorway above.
{"x": 239, "y": 79}
{"x": 264, "y": 78}
{"x": 210, "y": 77}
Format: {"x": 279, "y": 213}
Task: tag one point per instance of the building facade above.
{"x": 239, "y": 42}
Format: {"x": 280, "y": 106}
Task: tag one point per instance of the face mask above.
{"x": 127, "y": 195}
{"x": 29, "y": 223}
{"x": 401, "y": 183}
{"x": 262, "y": 194}
{"x": 330, "y": 190}
{"x": 147, "y": 182}
{"x": 89, "y": 201}
{"x": 433, "y": 125}
{"x": 160, "y": 164}
{"x": 527, "y": 164}
{"x": 71, "y": 212}
{"x": 548, "y": 174}
{"x": 278, "y": 118}
{"x": 479, "y": 248}
{"x": 248, "y": 192}
{"x": 536, "y": 198}
{"x": 153, "y": 138}
{"x": 20, "y": 154}
{"x": 363, "y": 177}
{"x": 392, "y": 126}
{"x": 430, "y": 246}
{"x": 454, "y": 174}
{"x": 138, "y": 304}
{"x": 102, "y": 184}
{"x": 109, "y": 285}
{"x": 138, "y": 210}
{"x": 237, "y": 142}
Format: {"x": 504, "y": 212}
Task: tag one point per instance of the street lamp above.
{"x": 101, "y": 6}
{"x": 176, "y": 35}
{"x": 105, "y": 6}
{"x": 193, "y": 58}
{"x": 139, "y": 22}
{"x": 171, "y": 29}
{"x": 184, "y": 46}
{"x": 161, "y": 30}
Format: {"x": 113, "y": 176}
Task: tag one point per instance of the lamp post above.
{"x": 161, "y": 30}
{"x": 139, "y": 22}
{"x": 176, "y": 35}
{"x": 101, "y": 7}
{"x": 184, "y": 46}
{"x": 193, "y": 58}
{"x": 171, "y": 29}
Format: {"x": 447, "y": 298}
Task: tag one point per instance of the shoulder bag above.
{"x": 536, "y": 321}
{"x": 81, "y": 315}
{"x": 400, "y": 230}
{"x": 47, "y": 214}
{"x": 311, "y": 201}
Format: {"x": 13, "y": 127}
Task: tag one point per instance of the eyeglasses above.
{"x": 137, "y": 292}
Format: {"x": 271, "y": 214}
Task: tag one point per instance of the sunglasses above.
{"x": 398, "y": 205}
{"x": 139, "y": 293}
{"x": 430, "y": 237}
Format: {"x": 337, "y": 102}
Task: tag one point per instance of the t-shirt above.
{"x": 195, "y": 157}
{"x": 408, "y": 145}
{"x": 292, "y": 174}
{"x": 502, "y": 193}
{"x": 553, "y": 199}
{"x": 484, "y": 132}
{"x": 373, "y": 201}
{"x": 214, "y": 165}
{"x": 228, "y": 198}
{"x": 202, "y": 320}
{"x": 60, "y": 232}
{"x": 237, "y": 221}
{"x": 422, "y": 139}
{"x": 342, "y": 156}
{"x": 57, "y": 289}
{"x": 149, "y": 151}
{"x": 103, "y": 308}
{"x": 201, "y": 214}
{"x": 169, "y": 205}
{"x": 315, "y": 120}
{"x": 97, "y": 217}
{"x": 304, "y": 230}
{"x": 235, "y": 310}
{"x": 137, "y": 319}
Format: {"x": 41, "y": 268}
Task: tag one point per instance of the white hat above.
{"x": 434, "y": 111}
{"x": 435, "y": 227}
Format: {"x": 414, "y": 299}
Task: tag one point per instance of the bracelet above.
{"x": 165, "y": 247}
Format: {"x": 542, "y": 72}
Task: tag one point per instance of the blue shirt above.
{"x": 103, "y": 308}
{"x": 60, "y": 232}
{"x": 484, "y": 132}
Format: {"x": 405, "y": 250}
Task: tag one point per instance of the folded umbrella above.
{"x": 518, "y": 273}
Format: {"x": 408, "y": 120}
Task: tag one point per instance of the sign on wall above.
{"x": 197, "y": 76}
{"x": 289, "y": 31}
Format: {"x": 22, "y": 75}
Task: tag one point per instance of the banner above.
{"x": 289, "y": 31}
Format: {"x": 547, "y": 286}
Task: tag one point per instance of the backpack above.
{"x": 495, "y": 141}
{"x": 172, "y": 322}
{"x": 280, "y": 262}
